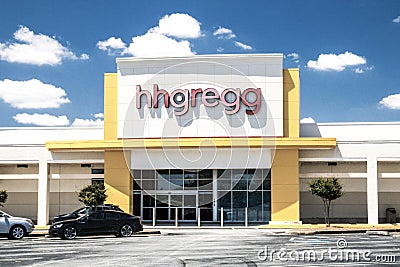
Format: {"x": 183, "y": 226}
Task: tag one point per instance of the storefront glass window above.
{"x": 186, "y": 190}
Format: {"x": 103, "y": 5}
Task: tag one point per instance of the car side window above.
{"x": 96, "y": 215}
{"x": 112, "y": 215}
{"x": 124, "y": 216}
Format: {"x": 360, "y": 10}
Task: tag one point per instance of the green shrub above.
{"x": 3, "y": 197}
{"x": 93, "y": 195}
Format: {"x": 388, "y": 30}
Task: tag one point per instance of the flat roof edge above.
{"x": 207, "y": 56}
{"x": 354, "y": 123}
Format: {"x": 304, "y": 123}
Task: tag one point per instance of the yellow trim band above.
{"x": 327, "y": 143}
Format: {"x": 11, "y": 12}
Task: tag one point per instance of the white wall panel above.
{"x": 205, "y": 158}
{"x": 219, "y": 72}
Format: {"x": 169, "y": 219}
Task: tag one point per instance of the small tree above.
{"x": 328, "y": 189}
{"x": 3, "y": 197}
{"x": 93, "y": 195}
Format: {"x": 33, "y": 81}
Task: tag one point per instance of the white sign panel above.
{"x": 201, "y": 96}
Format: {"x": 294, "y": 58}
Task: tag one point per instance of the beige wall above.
{"x": 22, "y": 197}
{"x": 352, "y": 207}
{"x": 388, "y": 187}
{"x": 64, "y": 196}
{"x": 22, "y": 190}
{"x": 65, "y": 180}
{"x": 12, "y": 169}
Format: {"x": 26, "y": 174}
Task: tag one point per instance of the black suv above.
{"x": 98, "y": 223}
{"x": 84, "y": 211}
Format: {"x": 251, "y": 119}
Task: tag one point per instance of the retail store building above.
{"x": 196, "y": 134}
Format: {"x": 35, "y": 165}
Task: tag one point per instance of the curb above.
{"x": 342, "y": 231}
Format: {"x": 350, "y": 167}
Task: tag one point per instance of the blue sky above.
{"x": 53, "y": 54}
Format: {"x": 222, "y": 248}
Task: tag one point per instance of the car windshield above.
{"x": 84, "y": 217}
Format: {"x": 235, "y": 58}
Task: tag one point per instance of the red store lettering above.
{"x": 231, "y": 98}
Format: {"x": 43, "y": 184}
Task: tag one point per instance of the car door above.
{"x": 93, "y": 224}
{"x": 4, "y": 223}
{"x": 111, "y": 222}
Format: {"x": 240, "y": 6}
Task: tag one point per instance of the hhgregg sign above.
{"x": 201, "y": 96}
{"x": 231, "y": 98}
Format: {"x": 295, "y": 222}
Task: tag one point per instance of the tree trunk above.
{"x": 325, "y": 212}
{"x": 327, "y": 205}
{"x": 328, "y": 215}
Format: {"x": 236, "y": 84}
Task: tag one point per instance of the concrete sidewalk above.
{"x": 303, "y": 229}
{"x": 40, "y": 230}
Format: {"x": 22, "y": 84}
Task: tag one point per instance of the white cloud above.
{"x": 99, "y": 116}
{"x": 159, "y": 41}
{"x": 178, "y": 25}
{"x": 391, "y": 101}
{"x": 87, "y": 123}
{"x": 332, "y": 62}
{"x": 396, "y": 20}
{"x": 112, "y": 45}
{"x": 363, "y": 69}
{"x": 41, "y": 119}
{"x": 32, "y": 94}
{"x": 358, "y": 70}
{"x": 50, "y": 120}
{"x": 157, "y": 45}
{"x": 307, "y": 120}
{"x": 293, "y": 56}
{"x": 97, "y": 122}
{"x": 224, "y": 33}
{"x": 35, "y": 49}
{"x": 243, "y": 46}
{"x": 84, "y": 57}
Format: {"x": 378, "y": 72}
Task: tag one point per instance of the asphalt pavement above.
{"x": 205, "y": 247}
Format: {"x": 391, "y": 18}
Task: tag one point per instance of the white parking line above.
{"x": 239, "y": 231}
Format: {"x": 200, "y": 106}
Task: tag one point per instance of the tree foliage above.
{"x": 93, "y": 195}
{"x": 3, "y": 197}
{"x": 328, "y": 189}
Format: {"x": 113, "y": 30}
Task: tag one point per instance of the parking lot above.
{"x": 204, "y": 247}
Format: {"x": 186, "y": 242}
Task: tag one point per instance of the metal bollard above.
{"x": 176, "y": 217}
{"x": 246, "y": 222}
{"x": 154, "y": 217}
{"x": 222, "y": 217}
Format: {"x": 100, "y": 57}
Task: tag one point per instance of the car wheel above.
{"x": 17, "y": 232}
{"x": 126, "y": 230}
{"x": 69, "y": 233}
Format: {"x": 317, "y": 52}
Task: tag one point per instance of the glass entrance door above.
{"x": 185, "y": 204}
{"x": 167, "y": 204}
